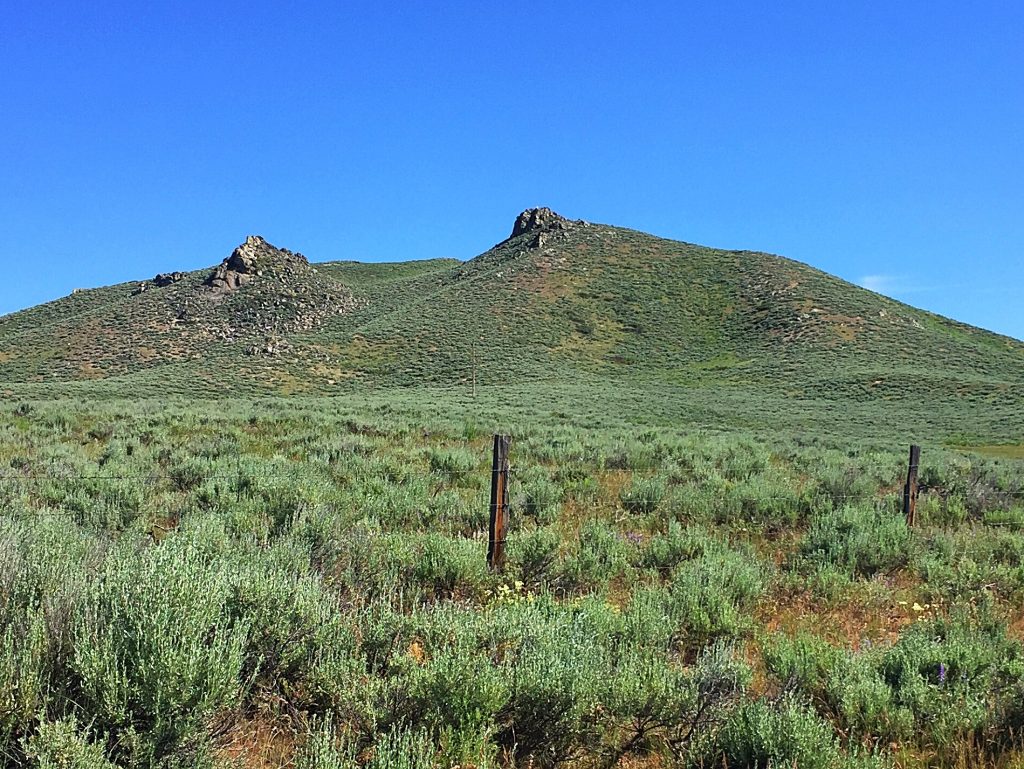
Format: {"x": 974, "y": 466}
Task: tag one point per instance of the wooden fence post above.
{"x": 910, "y": 490}
{"x": 499, "y": 503}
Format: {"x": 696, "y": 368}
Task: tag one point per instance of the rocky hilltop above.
{"x": 253, "y": 259}
{"x": 540, "y": 224}
{"x": 253, "y": 302}
{"x": 259, "y": 292}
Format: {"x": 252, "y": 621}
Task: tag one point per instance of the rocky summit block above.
{"x": 535, "y": 219}
{"x": 251, "y": 259}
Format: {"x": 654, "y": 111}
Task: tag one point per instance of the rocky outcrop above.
{"x": 261, "y": 299}
{"x": 253, "y": 259}
{"x": 165, "y": 279}
{"x": 536, "y": 231}
{"x": 263, "y": 291}
{"x": 537, "y": 219}
{"x": 225, "y": 279}
{"x": 243, "y": 264}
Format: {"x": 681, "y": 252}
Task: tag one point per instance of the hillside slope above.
{"x": 601, "y": 300}
{"x": 252, "y": 303}
{"x": 558, "y": 302}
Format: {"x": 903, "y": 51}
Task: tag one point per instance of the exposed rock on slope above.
{"x": 264, "y": 290}
{"x": 538, "y": 219}
{"x": 541, "y": 223}
{"x": 165, "y": 279}
{"x": 535, "y": 229}
{"x": 251, "y": 260}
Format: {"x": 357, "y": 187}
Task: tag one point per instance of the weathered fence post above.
{"x": 910, "y": 490}
{"x": 499, "y": 503}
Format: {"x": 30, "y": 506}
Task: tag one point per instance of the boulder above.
{"x": 250, "y": 260}
{"x": 535, "y": 219}
{"x": 167, "y": 278}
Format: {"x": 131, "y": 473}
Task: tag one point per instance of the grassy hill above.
{"x": 560, "y": 311}
{"x": 244, "y": 517}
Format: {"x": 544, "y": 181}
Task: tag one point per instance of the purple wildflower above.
{"x": 942, "y": 673}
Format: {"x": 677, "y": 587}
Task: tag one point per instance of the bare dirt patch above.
{"x": 259, "y": 743}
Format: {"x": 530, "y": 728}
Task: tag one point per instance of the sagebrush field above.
{"x": 244, "y": 517}
{"x": 303, "y": 583}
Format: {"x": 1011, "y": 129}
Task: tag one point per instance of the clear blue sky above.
{"x": 880, "y": 141}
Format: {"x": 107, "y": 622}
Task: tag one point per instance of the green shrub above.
{"x": 933, "y": 510}
{"x": 665, "y": 552}
{"x": 643, "y": 495}
{"x": 577, "y": 484}
{"x": 631, "y": 455}
{"x": 770, "y": 501}
{"x": 533, "y": 555}
{"x": 403, "y": 748}
{"x": 187, "y": 473}
{"x": 391, "y": 506}
{"x": 709, "y": 597}
{"x": 713, "y": 596}
{"x": 157, "y": 651}
{"x": 649, "y": 693}
{"x": 863, "y": 702}
{"x": 453, "y": 464}
{"x": 458, "y": 689}
{"x": 1012, "y": 518}
{"x": 859, "y": 541}
{"x": 43, "y": 573}
{"x": 760, "y": 734}
{"x": 326, "y": 748}
{"x": 654, "y": 702}
{"x": 293, "y": 625}
{"x": 954, "y": 677}
{"x": 805, "y": 662}
{"x": 706, "y": 502}
{"x": 385, "y": 634}
{"x": 62, "y": 745}
{"x": 741, "y": 460}
{"x": 541, "y": 496}
{"x": 847, "y": 687}
{"x": 554, "y": 702}
{"x": 841, "y": 481}
{"x": 601, "y": 554}
{"x": 444, "y": 565}
{"x": 23, "y": 670}
{"x": 975, "y": 564}
{"x": 465, "y": 748}
{"x": 452, "y": 512}
{"x": 943, "y": 682}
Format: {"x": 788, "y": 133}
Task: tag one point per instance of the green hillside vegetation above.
{"x": 758, "y": 340}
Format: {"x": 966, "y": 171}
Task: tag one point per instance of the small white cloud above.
{"x": 881, "y": 284}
